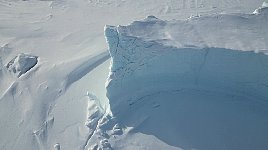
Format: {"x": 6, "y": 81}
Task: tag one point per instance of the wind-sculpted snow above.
{"x": 211, "y": 59}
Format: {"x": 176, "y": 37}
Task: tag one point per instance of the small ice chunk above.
{"x": 57, "y": 146}
{"x": 264, "y": 4}
{"x": 105, "y": 145}
{"x": 117, "y": 130}
{"x": 21, "y": 64}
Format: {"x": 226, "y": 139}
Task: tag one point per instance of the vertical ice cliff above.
{"x": 175, "y": 82}
{"x": 152, "y": 55}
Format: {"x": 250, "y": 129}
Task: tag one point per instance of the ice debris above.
{"x": 21, "y": 64}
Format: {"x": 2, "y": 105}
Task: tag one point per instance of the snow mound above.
{"x": 179, "y": 82}
{"x": 21, "y": 64}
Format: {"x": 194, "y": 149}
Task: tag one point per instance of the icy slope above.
{"x": 195, "y": 84}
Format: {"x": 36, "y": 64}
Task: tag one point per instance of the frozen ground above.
{"x": 61, "y": 101}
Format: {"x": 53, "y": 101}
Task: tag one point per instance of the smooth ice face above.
{"x": 145, "y": 59}
{"x": 195, "y": 84}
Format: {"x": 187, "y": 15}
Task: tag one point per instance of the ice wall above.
{"x": 145, "y": 61}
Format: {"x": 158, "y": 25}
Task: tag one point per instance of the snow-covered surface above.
{"x": 54, "y": 103}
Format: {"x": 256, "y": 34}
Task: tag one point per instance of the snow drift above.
{"x": 217, "y": 62}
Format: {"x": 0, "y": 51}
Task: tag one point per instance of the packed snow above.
{"x": 54, "y": 65}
